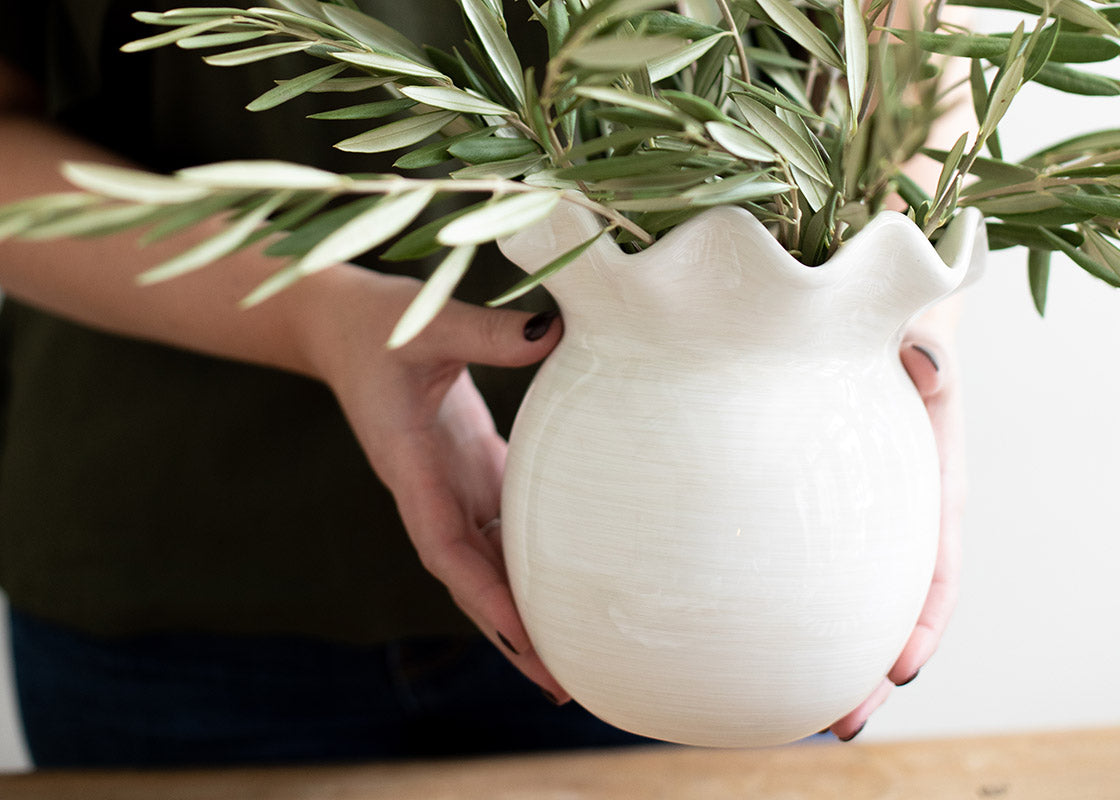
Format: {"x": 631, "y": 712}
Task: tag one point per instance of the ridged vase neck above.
{"x": 721, "y": 279}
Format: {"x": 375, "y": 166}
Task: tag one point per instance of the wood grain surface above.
{"x": 1075, "y": 765}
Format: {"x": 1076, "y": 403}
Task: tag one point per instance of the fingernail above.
{"x": 550, "y": 697}
{"x": 910, "y": 679}
{"x": 538, "y": 326}
{"x": 854, "y": 735}
{"x": 508, "y": 645}
{"x": 928, "y": 355}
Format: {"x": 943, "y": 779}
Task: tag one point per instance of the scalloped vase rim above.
{"x": 957, "y": 243}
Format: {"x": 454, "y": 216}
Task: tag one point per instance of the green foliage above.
{"x": 788, "y": 108}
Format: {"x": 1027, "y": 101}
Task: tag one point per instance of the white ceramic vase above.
{"x": 721, "y": 503}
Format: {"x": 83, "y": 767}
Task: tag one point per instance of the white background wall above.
{"x": 1035, "y": 642}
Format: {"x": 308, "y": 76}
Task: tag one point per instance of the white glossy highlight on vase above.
{"x": 721, "y": 502}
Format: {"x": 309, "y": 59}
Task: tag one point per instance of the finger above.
{"x": 496, "y": 337}
{"x": 935, "y": 614}
{"x": 931, "y": 371}
{"x": 452, "y": 550}
{"x": 848, "y": 727}
{"x": 923, "y": 361}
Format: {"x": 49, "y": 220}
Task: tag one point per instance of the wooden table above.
{"x": 1078, "y": 765}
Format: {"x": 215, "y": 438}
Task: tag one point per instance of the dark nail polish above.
{"x": 538, "y": 326}
{"x": 910, "y": 679}
{"x": 854, "y": 735}
{"x": 550, "y": 697}
{"x": 506, "y": 642}
{"x": 928, "y": 355}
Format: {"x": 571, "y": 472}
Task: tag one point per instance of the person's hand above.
{"x": 431, "y": 439}
{"x": 927, "y": 354}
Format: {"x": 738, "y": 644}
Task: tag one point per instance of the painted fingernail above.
{"x": 506, "y": 642}
{"x": 928, "y": 355}
{"x": 854, "y": 735}
{"x": 550, "y": 697}
{"x": 538, "y": 326}
{"x": 910, "y": 679}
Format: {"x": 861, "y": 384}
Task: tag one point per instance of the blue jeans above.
{"x": 190, "y": 700}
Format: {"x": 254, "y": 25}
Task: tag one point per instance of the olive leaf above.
{"x": 669, "y": 64}
{"x": 783, "y": 138}
{"x": 401, "y": 133}
{"x": 394, "y": 65}
{"x": 380, "y": 223}
{"x": 452, "y": 99}
{"x": 249, "y": 55}
{"x": 800, "y": 28}
{"x": 259, "y": 174}
{"x": 433, "y": 296}
{"x": 497, "y": 46}
{"x": 855, "y": 54}
{"x": 374, "y": 33}
{"x": 218, "y": 246}
{"x": 1038, "y": 276}
{"x": 500, "y": 218}
{"x": 126, "y": 183}
{"x": 295, "y": 87}
{"x": 530, "y": 282}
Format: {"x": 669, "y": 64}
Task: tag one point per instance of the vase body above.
{"x": 721, "y": 503}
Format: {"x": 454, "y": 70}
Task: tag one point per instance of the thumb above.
{"x": 495, "y": 337}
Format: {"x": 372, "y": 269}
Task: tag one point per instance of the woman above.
{"x": 201, "y": 565}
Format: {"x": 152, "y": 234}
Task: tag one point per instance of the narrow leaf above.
{"x": 374, "y": 32}
{"x": 172, "y": 36}
{"x": 220, "y": 39}
{"x": 736, "y": 189}
{"x": 621, "y": 54}
{"x": 300, "y": 241}
{"x": 1103, "y": 251}
{"x": 1082, "y": 260}
{"x": 217, "y": 246}
{"x": 479, "y": 149}
{"x": 398, "y": 134}
{"x": 433, "y": 296}
{"x": 124, "y": 183}
{"x": 783, "y": 138}
{"x": 93, "y": 221}
{"x": 368, "y": 230}
{"x": 1073, "y": 81}
{"x": 631, "y": 100}
{"x": 952, "y": 161}
{"x": 1007, "y": 86}
{"x": 250, "y": 55}
{"x": 422, "y": 242}
{"x": 855, "y": 54}
{"x": 391, "y": 64}
{"x": 671, "y": 63}
{"x": 374, "y": 110}
{"x": 293, "y": 88}
{"x": 497, "y": 46}
{"x": 801, "y": 29}
{"x": 501, "y": 218}
{"x": 1038, "y": 275}
{"x": 740, "y": 142}
{"x": 1097, "y": 205}
{"x": 261, "y": 174}
{"x": 530, "y": 282}
{"x": 506, "y": 169}
{"x": 453, "y": 99}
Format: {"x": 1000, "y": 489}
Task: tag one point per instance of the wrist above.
{"x": 339, "y": 313}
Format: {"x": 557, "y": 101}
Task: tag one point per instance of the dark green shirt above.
{"x": 144, "y": 488}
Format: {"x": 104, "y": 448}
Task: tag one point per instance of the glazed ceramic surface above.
{"x": 721, "y": 504}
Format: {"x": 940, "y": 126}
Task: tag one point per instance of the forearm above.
{"x": 93, "y": 281}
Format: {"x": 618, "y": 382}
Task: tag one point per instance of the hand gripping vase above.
{"x": 721, "y": 504}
